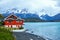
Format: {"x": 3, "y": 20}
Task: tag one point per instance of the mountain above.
{"x": 24, "y": 14}
{"x": 27, "y": 17}
{"x": 57, "y": 17}
{"x": 51, "y": 18}
{"x": 46, "y": 17}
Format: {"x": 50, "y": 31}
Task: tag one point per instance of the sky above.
{"x": 41, "y": 7}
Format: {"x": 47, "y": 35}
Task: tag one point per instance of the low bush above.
{"x": 21, "y": 28}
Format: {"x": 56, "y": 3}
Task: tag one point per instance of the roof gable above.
{"x": 12, "y": 17}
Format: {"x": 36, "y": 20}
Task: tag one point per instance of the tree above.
{"x": 1, "y": 17}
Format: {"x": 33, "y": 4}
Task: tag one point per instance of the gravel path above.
{"x": 26, "y": 36}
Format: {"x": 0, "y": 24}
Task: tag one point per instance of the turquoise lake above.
{"x": 45, "y": 29}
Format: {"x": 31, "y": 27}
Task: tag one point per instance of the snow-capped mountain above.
{"x": 23, "y": 14}
{"x": 50, "y": 18}
{"x": 46, "y": 17}
{"x": 26, "y": 15}
{"x": 16, "y": 10}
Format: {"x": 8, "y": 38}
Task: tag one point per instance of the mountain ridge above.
{"x": 24, "y": 14}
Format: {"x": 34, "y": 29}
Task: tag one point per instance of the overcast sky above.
{"x": 50, "y": 7}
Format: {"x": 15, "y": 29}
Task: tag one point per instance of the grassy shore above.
{"x": 5, "y": 34}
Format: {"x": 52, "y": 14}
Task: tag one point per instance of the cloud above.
{"x": 50, "y": 6}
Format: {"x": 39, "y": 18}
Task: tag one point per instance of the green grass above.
{"x": 5, "y": 34}
{"x": 15, "y": 28}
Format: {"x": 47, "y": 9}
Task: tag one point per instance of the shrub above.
{"x": 21, "y": 28}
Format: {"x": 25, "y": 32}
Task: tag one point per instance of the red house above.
{"x": 13, "y": 21}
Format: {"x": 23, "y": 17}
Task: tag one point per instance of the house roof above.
{"x": 12, "y": 17}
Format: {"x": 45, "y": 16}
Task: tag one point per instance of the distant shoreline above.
{"x": 27, "y": 22}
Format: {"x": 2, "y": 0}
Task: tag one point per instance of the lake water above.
{"x": 46, "y": 29}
